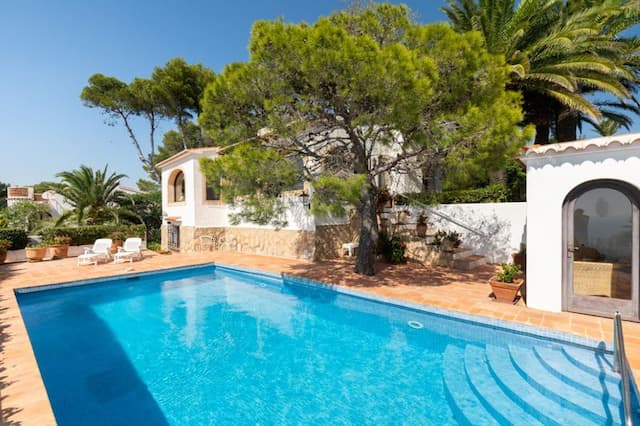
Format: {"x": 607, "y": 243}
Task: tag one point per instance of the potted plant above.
{"x": 520, "y": 258}
{"x": 4, "y": 246}
{"x": 36, "y": 251}
{"x": 384, "y": 199}
{"x": 117, "y": 239}
{"x": 421, "y": 225}
{"x": 451, "y": 241}
{"x": 506, "y": 283}
{"x": 438, "y": 237}
{"x": 59, "y": 246}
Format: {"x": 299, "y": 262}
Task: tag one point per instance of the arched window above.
{"x": 176, "y": 187}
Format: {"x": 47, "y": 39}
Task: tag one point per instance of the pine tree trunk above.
{"x": 365, "y": 262}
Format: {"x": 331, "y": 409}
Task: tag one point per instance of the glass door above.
{"x": 601, "y": 265}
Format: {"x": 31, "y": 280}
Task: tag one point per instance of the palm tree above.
{"x": 93, "y": 195}
{"x": 607, "y": 127}
{"x": 560, "y": 52}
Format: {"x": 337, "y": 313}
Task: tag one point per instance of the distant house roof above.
{"x": 128, "y": 190}
{"x": 185, "y": 152}
{"x": 584, "y": 145}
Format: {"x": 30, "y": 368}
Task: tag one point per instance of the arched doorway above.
{"x": 600, "y": 266}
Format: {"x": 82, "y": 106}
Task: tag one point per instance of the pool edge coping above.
{"x": 510, "y": 326}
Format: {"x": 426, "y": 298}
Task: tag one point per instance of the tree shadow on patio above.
{"x": 341, "y": 272}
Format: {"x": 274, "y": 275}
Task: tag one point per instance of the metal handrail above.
{"x": 445, "y": 216}
{"x": 621, "y": 366}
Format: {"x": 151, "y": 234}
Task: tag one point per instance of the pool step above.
{"x": 585, "y": 378}
{"x": 499, "y": 404}
{"x": 466, "y": 407}
{"x": 537, "y": 374}
{"x": 527, "y": 385}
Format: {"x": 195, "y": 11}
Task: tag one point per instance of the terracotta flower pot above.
{"x": 35, "y": 254}
{"x": 505, "y": 292}
{"x": 447, "y": 246}
{"x": 58, "y": 251}
{"x": 421, "y": 229}
{"x": 115, "y": 244}
{"x": 520, "y": 259}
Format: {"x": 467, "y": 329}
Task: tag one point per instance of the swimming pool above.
{"x": 219, "y": 345}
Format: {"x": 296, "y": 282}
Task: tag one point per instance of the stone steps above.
{"x": 462, "y": 258}
{"x": 470, "y": 262}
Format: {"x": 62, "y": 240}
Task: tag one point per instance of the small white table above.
{"x": 350, "y": 248}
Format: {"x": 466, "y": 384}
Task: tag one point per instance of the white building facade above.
{"x": 195, "y": 219}
{"x": 583, "y": 203}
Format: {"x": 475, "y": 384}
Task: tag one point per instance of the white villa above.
{"x": 580, "y": 224}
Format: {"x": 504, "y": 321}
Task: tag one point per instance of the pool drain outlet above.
{"x": 415, "y": 324}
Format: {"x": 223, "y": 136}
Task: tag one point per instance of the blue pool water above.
{"x": 214, "y": 345}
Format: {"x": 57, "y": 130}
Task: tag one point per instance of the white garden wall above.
{"x": 494, "y": 230}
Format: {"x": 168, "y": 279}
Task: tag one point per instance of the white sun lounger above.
{"x": 131, "y": 248}
{"x": 100, "y": 250}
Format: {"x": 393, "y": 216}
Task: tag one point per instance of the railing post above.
{"x": 620, "y": 366}
{"x": 616, "y": 350}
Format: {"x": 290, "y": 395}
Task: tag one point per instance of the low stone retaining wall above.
{"x": 429, "y": 255}
{"x": 329, "y": 239}
{"x": 265, "y": 242}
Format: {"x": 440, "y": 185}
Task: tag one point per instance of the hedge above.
{"x": 88, "y": 234}
{"x": 18, "y": 237}
{"x": 497, "y": 193}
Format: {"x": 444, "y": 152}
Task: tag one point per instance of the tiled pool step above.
{"x": 522, "y": 385}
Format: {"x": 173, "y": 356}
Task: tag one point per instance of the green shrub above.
{"x": 392, "y": 248}
{"x": 497, "y": 193}
{"x": 154, "y": 246}
{"x": 153, "y": 235}
{"x": 88, "y": 234}
{"x": 508, "y": 272}
{"x": 18, "y": 237}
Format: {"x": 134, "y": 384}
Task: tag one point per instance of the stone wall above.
{"x": 324, "y": 243}
{"x": 266, "y": 242}
{"x": 329, "y": 239}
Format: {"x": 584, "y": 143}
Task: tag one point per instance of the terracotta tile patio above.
{"x": 23, "y": 397}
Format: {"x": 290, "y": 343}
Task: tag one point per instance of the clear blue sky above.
{"x": 49, "y": 49}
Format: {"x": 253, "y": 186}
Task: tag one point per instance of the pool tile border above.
{"x": 93, "y": 281}
{"x": 503, "y": 325}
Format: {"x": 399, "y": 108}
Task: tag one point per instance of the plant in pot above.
{"x": 520, "y": 258}
{"x": 451, "y": 241}
{"x": 506, "y": 283}
{"x": 384, "y": 199}
{"x": 4, "y": 246}
{"x": 117, "y": 239}
{"x": 421, "y": 225}
{"x": 59, "y": 246}
{"x": 438, "y": 237}
{"x": 35, "y": 252}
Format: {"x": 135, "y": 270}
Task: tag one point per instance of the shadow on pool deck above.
{"x": 342, "y": 272}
